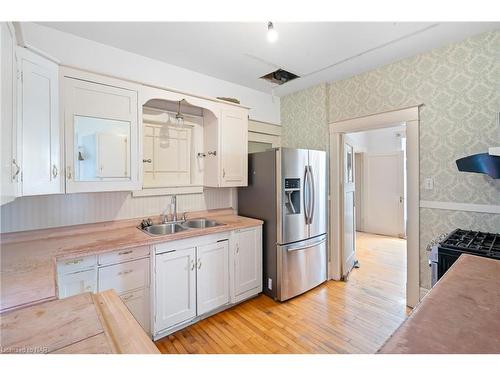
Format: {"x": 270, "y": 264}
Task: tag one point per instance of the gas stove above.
{"x": 478, "y": 243}
{"x": 463, "y": 241}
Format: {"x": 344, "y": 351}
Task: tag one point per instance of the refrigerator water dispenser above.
{"x": 292, "y": 193}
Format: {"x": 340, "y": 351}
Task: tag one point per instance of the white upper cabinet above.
{"x": 39, "y": 127}
{"x": 10, "y": 168}
{"x": 102, "y": 133}
{"x": 226, "y": 146}
{"x": 234, "y": 147}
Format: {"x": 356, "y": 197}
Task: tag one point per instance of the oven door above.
{"x": 301, "y": 266}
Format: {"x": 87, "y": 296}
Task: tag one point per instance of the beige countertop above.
{"x": 83, "y": 324}
{"x": 27, "y": 268}
{"x": 460, "y": 314}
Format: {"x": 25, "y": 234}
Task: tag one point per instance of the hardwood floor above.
{"x": 337, "y": 317}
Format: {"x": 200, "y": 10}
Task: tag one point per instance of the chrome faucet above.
{"x": 174, "y": 209}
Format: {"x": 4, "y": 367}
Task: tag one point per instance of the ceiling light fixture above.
{"x": 272, "y": 34}
{"x": 179, "y": 118}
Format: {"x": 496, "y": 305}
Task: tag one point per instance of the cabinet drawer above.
{"x": 123, "y": 255}
{"x": 76, "y": 264}
{"x": 77, "y": 283}
{"x": 124, "y": 277}
{"x": 137, "y": 303}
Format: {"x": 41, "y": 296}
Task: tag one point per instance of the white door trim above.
{"x": 410, "y": 116}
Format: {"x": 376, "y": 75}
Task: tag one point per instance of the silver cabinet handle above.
{"x": 147, "y": 160}
{"x": 125, "y": 252}
{"x": 126, "y": 298}
{"x": 192, "y": 265}
{"x": 199, "y": 263}
{"x": 54, "y": 171}
{"x": 68, "y": 172}
{"x": 212, "y": 153}
{"x": 237, "y": 249}
{"x": 124, "y": 272}
{"x": 75, "y": 261}
{"x": 223, "y": 172}
{"x": 18, "y": 169}
{"x": 306, "y": 246}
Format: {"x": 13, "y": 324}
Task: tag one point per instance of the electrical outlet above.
{"x": 270, "y": 284}
{"x": 429, "y": 183}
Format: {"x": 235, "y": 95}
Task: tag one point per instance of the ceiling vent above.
{"x": 279, "y": 77}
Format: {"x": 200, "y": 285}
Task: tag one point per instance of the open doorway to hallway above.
{"x": 375, "y": 172}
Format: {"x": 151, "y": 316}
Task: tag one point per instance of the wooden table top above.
{"x": 460, "y": 314}
{"x": 28, "y": 259}
{"x": 83, "y": 324}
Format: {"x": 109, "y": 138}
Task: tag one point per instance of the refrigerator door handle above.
{"x": 312, "y": 197}
{"x": 306, "y": 246}
{"x": 306, "y": 193}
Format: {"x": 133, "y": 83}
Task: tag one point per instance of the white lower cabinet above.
{"x": 247, "y": 250}
{"x": 175, "y": 288}
{"x": 212, "y": 281}
{"x": 125, "y": 271}
{"x": 77, "y": 282}
{"x": 138, "y": 303}
{"x": 197, "y": 276}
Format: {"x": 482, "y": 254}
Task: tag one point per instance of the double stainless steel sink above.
{"x": 171, "y": 228}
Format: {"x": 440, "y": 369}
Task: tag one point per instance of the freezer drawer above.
{"x": 301, "y": 266}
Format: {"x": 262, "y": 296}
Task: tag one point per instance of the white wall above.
{"x": 86, "y": 54}
{"x": 382, "y": 141}
{"x": 27, "y": 213}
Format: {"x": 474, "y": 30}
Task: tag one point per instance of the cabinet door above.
{"x": 137, "y": 303}
{"x": 234, "y": 147}
{"x": 39, "y": 125}
{"x": 76, "y": 283}
{"x": 212, "y": 282}
{"x": 101, "y": 136}
{"x": 10, "y": 168}
{"x": 175, "y": 288}
{"x": 247, "y": 260}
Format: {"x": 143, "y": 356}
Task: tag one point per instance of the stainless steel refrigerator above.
{"x": 287, "y": 188}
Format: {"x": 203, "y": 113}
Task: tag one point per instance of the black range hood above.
{"x": 480, "y": 163}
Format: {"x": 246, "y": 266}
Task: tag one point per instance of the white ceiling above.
{"x": 240, "y": 53}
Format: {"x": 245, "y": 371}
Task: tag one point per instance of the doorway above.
{"x": 343, "y": 216}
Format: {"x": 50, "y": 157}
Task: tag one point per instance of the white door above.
{"x": 39, "y": 125}
{"x": 349, "y": 230}
{"x": 175, "y": 288}
{"x": 247, "y": 260}
{"x": 384, "y": 204}
{"x": 212, "y": 282}
{"x": 234, "y": 147}
{"x": 10, "y": 168}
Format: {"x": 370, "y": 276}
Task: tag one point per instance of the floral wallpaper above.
{"x": 305, "y": 116}
{"x": 459, "y": 87}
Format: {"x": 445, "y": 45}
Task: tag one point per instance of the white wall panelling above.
{"x": 28, "y": 213}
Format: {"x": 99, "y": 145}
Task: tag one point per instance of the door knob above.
{"x": 54, "y": 171}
